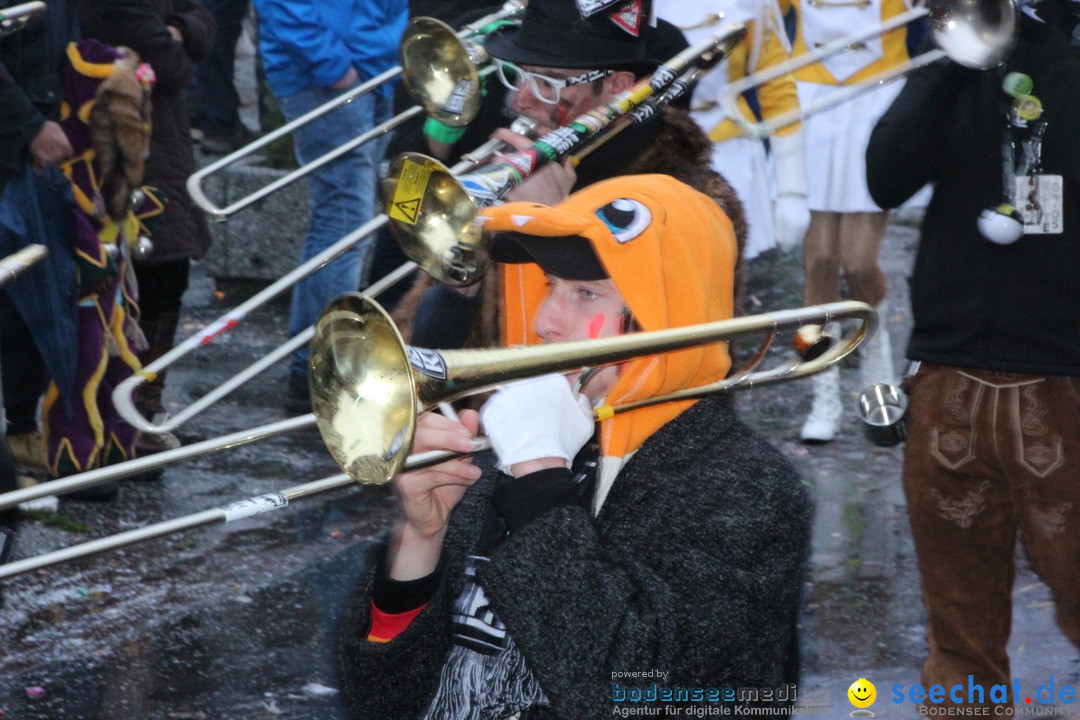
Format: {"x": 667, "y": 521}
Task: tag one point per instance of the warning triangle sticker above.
{"x": 628, "y": 17}
{"x": 408, "y": 209}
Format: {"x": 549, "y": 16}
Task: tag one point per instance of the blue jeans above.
{"x": 342, "y": 199}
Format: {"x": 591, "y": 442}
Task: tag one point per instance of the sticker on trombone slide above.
{"x": 525, "y": 161}
{"x": 254, "y": 506}
{"x": 428, "y": 362}
{"x": 486, "y": 190}
{"x": 411, "y": 185}
{"x": 211, "y": 331}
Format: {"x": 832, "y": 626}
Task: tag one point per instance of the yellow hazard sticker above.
{"x": 409, "y": 192}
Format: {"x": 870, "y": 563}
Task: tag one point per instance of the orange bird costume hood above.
{"x": 670, "y": 251}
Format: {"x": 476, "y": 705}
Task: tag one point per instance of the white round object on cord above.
{"x": 1001, "y": 225}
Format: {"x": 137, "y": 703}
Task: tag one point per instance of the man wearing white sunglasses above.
{"x": 560, "y": 64}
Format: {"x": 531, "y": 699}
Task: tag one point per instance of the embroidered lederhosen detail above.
{"x": 1050, "y": 520}
{"x": 1037, "y": 450}
{"x": 953, "y": 447}
{"x": 963, "y": 511}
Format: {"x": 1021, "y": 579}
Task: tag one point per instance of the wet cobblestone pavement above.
{"x": 237, "y": 621}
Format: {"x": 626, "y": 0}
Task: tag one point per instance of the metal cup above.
{"x": 883, "y": 411}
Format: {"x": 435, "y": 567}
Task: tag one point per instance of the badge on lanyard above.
{"x": 1039, "y": 201}
{"x": 1037, "y": 197}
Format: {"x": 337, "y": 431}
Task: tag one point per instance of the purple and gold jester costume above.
{"x": 106, "y": 119}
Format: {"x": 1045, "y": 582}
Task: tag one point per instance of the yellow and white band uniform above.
{"x": 742, "y": 160}
{"x": 836, "y": 138}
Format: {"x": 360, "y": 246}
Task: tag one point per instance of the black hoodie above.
{"x": 1011, "y": 308}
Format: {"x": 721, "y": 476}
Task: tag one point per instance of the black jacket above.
{"x": 142, "y": 25}
{"x": 30, "y": 79}
{"x": 693, "y": 566}
{"x": 1012, "y": 308}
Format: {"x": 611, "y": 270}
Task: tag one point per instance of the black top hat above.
{"x": 553, "y": 34}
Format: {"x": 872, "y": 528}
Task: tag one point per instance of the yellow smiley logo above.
{"x": 862, "y": 693}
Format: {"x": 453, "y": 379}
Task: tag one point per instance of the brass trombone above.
{"x": 460, "y": 45}
{"x": 124, "y": 393}
{"x": 367, "y": 385}
{"x": 432, "y": 211}
{"x": 977, "y": 35}
{"x": 16, "y": 17}
{"x": 18, "y": 262}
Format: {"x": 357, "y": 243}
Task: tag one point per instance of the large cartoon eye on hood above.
{"x": 625, "y": 218}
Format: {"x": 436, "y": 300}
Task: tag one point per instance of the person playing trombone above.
{"x": 993, "y": 430}
{"x": 558, "y": 65}
{"x": 667, "y": 540}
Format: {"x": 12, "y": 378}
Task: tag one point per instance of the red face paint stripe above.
{"x": 595, "y": 324}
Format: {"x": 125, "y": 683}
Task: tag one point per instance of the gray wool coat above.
{"x": 693, "y": 566}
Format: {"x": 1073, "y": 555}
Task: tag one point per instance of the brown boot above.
{"x": 29, "y": 449}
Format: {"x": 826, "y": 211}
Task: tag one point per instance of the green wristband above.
{"x": 441, "y": 132}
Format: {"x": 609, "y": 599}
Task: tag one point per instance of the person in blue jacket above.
{"x": 312, "y": 52}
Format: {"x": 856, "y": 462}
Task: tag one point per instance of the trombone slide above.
{"x": 977, "y": 35}
{"x": 368, "y": 386}
{"x": 18, "y": 262}
{"x": 124, "y": 393}
{"x": 240, "y": 510}
{"x": 16, "y": 17}
{"x": 730, "y": 95}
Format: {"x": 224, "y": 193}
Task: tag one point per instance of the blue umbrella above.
{"x": 39, "y": 208}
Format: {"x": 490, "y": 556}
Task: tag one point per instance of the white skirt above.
{"x": 836, "y": 141}
{"x": 742, "y": 162}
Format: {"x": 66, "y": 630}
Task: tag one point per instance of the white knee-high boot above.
{"x": 823, "y": 422}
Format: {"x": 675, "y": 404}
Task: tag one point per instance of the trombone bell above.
{"x": 363, "y": 389}
{"x": 439, "y": 69}
{"x": 976, "y": 35}
{"x": 434, "y": 219}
